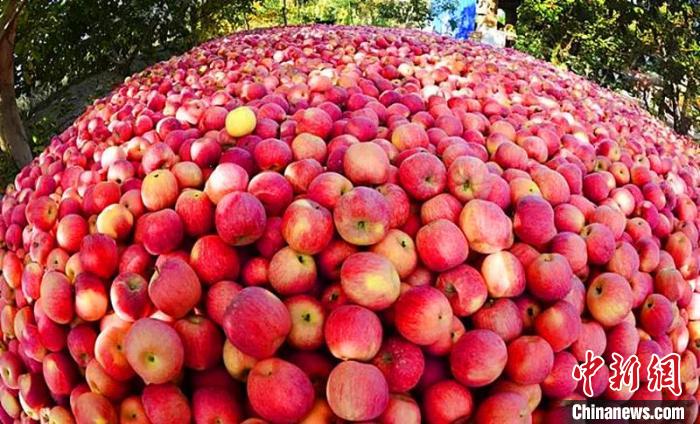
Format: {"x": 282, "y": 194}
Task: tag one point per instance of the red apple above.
{"x": 159, "y": 190}
{"x": 257, "y": 322}
{"x": 213, "y": 260}
{"x": 240, "y": 218}
{"x": 591, "y": 337}
{"x": 422, "y": 315}
{"x": 131, "y": 410}
{"x": 357, "y": 391}
{"x": 503, "y": 407}
{"x": 279, "y": 391}
{"x": 442, "y": 206}
{"x": 327, "y": 188}
{"x": 134, "y": 259}
{"x": 60, "y": 373}
{"x": 56, "y": 297}
{"x": 560, "y": 383}
{"x": 401, "y": 362}
{"x": 353, "y": 332}
{"x": 600, "y": 243}
{"x": 464, "y": 287}
{"x": 211, "y": 404}
{"x": 110, "y": 353}
{"x": 273, "y": 190}
{"x": 370, "y": 280}
{"x": 656, "y": 315}
{"x": 446, "y": 402}
{"x": 366, "y": 163}
{"x": 467, "y": 178}
{"x": 609, "y": 299}
{"x": 91, "y": 300}
{"x": 361, "y": 216}
{"x": 201, "y": 340}
{"x": 314, "y": 121}
{"x": 501, "y": 316}
{"x": 175, "y": 288}
{"x": 188, "y": 174}
{"x": 98, "y": 255}
{"x": 309, "y": 146}
{"x": 559, "y": 325}
{"x": 478, "y": 358}
{"x": 549, "y": 277}
{"x": 237, "y": 363}
{"x": 301, "y": 173}
{"x": 70, "y": 232}
{"x": 408, "y": 136}
{"x": 154, "y": 350}
{"x": 115, "y": 221}
{"x": 486, "y": 226}
{"x": 160, "y": 232}
{"x": 291, "y": 272}
{"x": 165, "y": 403}
{"x": 533, "y": 221}
{"x": 530, "y": 360}
{"x": 399, "y": 248}
{"x": 195, "y": 211}
{"x": 308, "y": 319}
{"x": 42, "y": 213}
{"x": 218, "y": 297}
{"x": 622, "y": 339}
{"x": 307, "y": 226}
{"x": 441, "y": 245}
{"x": 572, "y": 247}
{"x": 400, "y": 409}
{"x": 80, "y": 342}
{"x": 101, "y": 382}
{"x": 129, "y": 296}
{"x": 423, "y": 176}
{"x": 225, "y": 178}
{"x": 503, "y": 274}
{"x": 568, "y": 217}
{"x": 93, "y": 407}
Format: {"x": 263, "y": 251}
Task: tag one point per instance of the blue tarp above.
{"x": 457, "y": 18}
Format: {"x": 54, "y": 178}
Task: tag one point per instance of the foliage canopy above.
{"x": 62, "y": 41}
{"x": 649, "y": 48}
{"x": 68, "y": 52}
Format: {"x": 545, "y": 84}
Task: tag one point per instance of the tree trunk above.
{"x": 245, "y": 20}
{"x": 13, "y": 139}
{"x": 284, "y": 12}
{"x": 685, "y": 121}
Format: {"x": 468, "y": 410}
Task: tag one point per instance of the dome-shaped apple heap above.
{"x": 345, "y": 223}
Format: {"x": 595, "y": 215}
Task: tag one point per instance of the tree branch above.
{"x": 15, "y": 13}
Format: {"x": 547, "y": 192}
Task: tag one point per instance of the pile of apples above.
{"x": 329, "y": 224}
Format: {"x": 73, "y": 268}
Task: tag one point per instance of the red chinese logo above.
{"x": 664, "y": 373}
{"x": 624, "y": 373}
{"x": 586, "y": 371}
